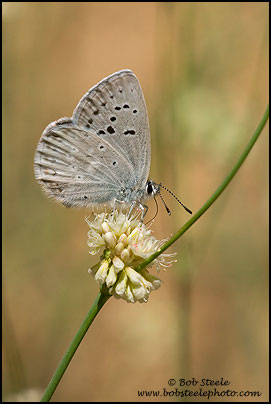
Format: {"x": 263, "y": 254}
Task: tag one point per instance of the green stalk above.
{"x": 95, "y": 308}
{"x": 215, "y": 195}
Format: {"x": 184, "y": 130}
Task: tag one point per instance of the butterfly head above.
{"x": 152, "y": 189}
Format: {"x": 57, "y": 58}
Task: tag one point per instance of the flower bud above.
{"x": 123, "y": 238}
{"x": 125, "y": 255}
{"x": 105, "y": 227}
{"x": 118, "y": 264}
{"x": 119, "y": 247}
{"x": 110, "y": 239}
{"x": 120, "y": 287}
{"x": 101, "y": 274}
{"x": 111, "y": 277}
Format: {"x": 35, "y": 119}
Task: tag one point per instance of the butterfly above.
{"x": 102, "y": 154}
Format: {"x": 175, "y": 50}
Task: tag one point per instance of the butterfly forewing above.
{"x": 115, "y": 109}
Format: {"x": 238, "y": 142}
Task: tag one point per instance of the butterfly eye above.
{"x": 149, "y": 188}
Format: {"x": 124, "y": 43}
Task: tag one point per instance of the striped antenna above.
{"x": 168, "y": 211}
{"x": 188, "y": 210}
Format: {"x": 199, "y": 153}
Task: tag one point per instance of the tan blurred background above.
{"x": 203, "y": 68}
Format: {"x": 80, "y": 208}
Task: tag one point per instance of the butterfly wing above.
{"x": 77, "y": 167}
{"x": 86, "y": 160}
{"x": 115, "y": 110}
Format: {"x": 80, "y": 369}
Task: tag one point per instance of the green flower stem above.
{"x": 215, "y": 195}
{"x": 95, "y": 308}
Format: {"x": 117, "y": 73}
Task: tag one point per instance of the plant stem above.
{"x": 215, "y": 195}
{"x": 95, "y": 308}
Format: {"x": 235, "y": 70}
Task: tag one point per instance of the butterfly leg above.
{"x": 143, "y": 208}
{"x": 116, "y": 203}
{"x": 133, "y": 204}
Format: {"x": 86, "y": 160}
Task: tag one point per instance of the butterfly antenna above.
{"x": 167, "y": 209}
{"x": 155, "y": 212}
{"x": 188, "y": 210}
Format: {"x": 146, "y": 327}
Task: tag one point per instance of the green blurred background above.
{"x": 203, "y": 68}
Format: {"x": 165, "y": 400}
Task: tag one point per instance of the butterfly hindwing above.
{"x": 78, "y": 168}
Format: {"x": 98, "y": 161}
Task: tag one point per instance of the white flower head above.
{"x": 126, "y": 243}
